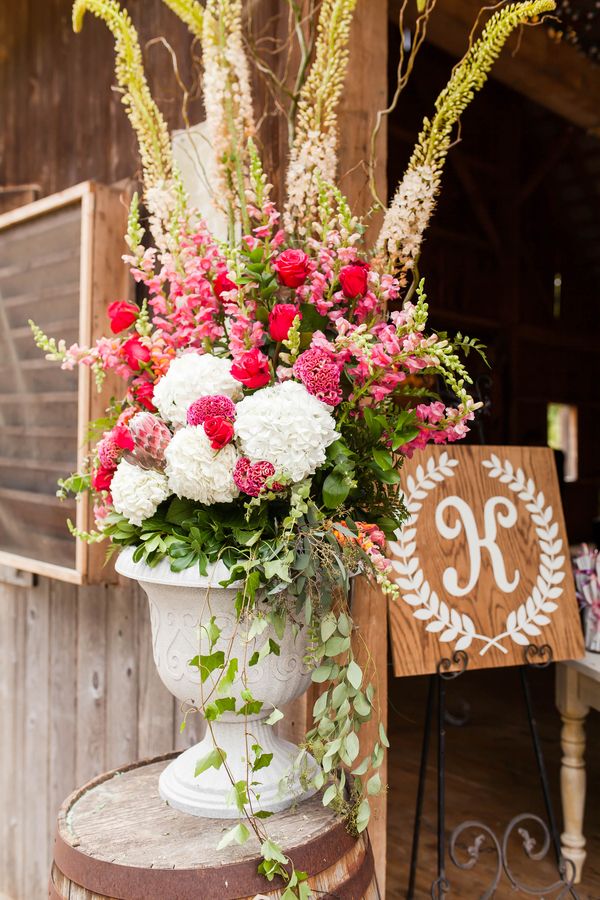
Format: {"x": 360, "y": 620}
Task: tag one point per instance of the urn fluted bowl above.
{"x": 182, "y": 605}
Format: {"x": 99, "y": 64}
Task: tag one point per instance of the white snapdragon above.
{"x": 287, "y": 426}
{"x": 189, "y": 377}
{"x": 136, "y": 493}
{"x": 196, "y": 471}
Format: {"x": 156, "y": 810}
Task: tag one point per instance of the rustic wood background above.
{"x": 415, "y": 650}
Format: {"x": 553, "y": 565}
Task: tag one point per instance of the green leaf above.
{"x": 239, "y": 795}
{"x": 362, "y": 816}
{"x": 387, "y": 476}
{"x": 214, "y": 711}
{"x": 226, "y": 680}
{"x": 354, "y": 674}
{"x": 363, "y": 768}
{"x": 239, "y": 835}
{"x": 361, "y": 705}
{"x": 328, "y": 627}
{"x": 212, "y": 760}
{"x": 374, "y": 784}
{"x": 262, "y": 761}
{"x": 344, "y": 625}
{"x": 311, "y": 319}
{"x": 329, "y": 794}
{"x": 383, "y": 459}
{"x": 351, "y": 747}
{"x": 213, "y": 632}
{"x": 275, "y": 716}
{"x": 336, "y": 645}
{"x": 321, "y": 674}
{"x": 336, "y": 488}
{"x": 207, "y": 664}
{"x": 262, "y": 814}
{"x": 383, "y": 736}
{"x": 269, "y": 850}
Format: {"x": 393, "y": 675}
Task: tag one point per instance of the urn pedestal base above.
{"x": 275, "y": 787}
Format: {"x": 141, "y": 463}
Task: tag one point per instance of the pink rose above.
{"x": 292, "y": 267}
{"x": 218, "y": 430}
{"x": 222, "y": 283}
{"x": 252, "y": 369}
{"x": 122, "y": 315}
{"x": 353, "y": 279}
{"x": 135, "y": 353}
{"x": 102, "y": 478}
{"x": 280, "y": 320}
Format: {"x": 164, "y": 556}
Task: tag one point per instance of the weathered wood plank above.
{"x": 121, "y": 677}
{"x": 62, "y": 697}
{"x": 91, "y": 683}
{"x": 33, "y": 760}
{"x": 12, "y": 650}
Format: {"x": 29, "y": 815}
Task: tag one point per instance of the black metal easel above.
{"x": 447, "y": 670}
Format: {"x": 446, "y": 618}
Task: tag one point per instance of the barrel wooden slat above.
{"x": 117, "y": 840}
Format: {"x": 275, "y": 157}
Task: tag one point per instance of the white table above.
{"x": 577, "y": 691}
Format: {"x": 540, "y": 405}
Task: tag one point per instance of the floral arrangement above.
{"x": 272, "y": 384}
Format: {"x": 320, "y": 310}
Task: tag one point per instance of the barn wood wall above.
{"x": 79, "y": 691}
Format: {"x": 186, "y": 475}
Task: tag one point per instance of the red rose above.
{"x": 292, "y": 267}
{"x": 252, "y": 369}
{"x": 135, "y": 352}
{"x": 122, "y": 437}
{"x": 143, "y": 393}
{"x": 218, "y": 430}
{"x": 353, "y": 279}
{"x": 223, "y": 283}
{"x": 101, "y": 478}
{"x": 280, "y": 320}
{"x": 122, "y": 315}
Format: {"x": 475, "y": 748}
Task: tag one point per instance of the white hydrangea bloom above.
{"x": 196, "y": 471}
{"x": 191, "y": 376}
{"x": 287, "y": 426}
{"x": 136, "y": 493}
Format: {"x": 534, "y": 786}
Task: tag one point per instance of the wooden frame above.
{"x": 101, "y": 280}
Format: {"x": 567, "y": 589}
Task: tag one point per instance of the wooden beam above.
{"x": 365, "y": 93}
{"x": 555, "y": 75}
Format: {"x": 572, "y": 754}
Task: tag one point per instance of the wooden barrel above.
{"x": 117, "y": 839}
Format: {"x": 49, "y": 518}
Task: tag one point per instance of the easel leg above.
{"x": 537, "y": 747}
{"x": 440, "y": 886}
{"x": 421, "y": 789}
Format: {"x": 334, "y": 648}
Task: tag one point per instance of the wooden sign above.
{"x": 483, "y": 562}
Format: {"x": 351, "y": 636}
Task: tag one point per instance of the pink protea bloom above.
{"x": 320, "y": 375}
{"x": 206, "y": 407}
{"x": 251, "y": 478}
{"x": 149, "y": 435}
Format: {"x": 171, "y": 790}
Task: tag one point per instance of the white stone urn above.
{"x": 181, "y": 606}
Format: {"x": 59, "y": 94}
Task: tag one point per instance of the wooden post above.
{"x": 365, "y": 93}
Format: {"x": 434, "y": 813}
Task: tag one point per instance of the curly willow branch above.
{"x": 190, "y": 12}
{"x": 313, "y": 154}
{"x": 407, "y": 218}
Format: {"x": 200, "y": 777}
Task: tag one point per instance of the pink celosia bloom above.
{"x": 320, "y": 375}
{"x": 251, "y": 478}
{"x": 212, "y": 405}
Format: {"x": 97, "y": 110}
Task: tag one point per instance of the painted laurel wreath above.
{"x": 450, "y": 625}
